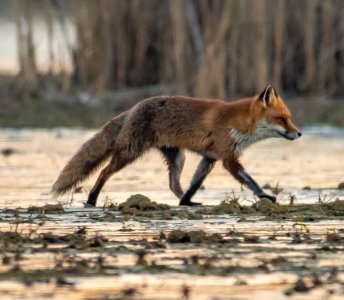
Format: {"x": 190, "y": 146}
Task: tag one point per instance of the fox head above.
{"x": 274, "y": 118}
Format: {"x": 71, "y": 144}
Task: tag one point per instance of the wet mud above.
{"x": 137, "y": 244}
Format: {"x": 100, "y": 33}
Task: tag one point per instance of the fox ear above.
{"x": 267, "y": 97}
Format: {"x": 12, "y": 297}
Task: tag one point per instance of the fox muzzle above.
{"x": 290, "y": 135}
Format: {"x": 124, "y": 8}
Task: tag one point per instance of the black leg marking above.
{"x": 203, "y": 169}
{"x": 175, "y": 159}
{"x": 116, "y": 163}
{"x": 93, "y": 195}
{"x": 239, "y": 173}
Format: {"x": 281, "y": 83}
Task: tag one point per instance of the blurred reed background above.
{"x": 222, "y": 48}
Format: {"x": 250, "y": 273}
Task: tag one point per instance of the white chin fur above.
{"x": 242, "y": 141}
{"x": 263, "y": 131}
{"x": 278, "y": 129}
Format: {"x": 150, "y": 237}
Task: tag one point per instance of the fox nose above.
{"x": 299, "y": 134}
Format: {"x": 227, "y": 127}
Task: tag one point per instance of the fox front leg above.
{"x": 239, "y": 173}
{"x": 203, "y": 169}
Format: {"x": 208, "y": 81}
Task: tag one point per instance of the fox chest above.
{"x": 241, "y": 141}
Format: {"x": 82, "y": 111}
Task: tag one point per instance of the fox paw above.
{"x": 267, "y": 196}
{"x": 189, "y": 203}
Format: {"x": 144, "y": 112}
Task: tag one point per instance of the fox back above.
{"x": 214, "y": 127}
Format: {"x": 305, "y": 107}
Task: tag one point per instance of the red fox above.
{"x": 215, "y": 129}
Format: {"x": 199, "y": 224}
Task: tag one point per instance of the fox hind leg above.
{"x": 175, "y": 159}
{"x": 203, "y": 169}
{"x": 117, "y": 162}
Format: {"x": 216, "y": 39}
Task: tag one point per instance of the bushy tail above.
{"x": 90, "y": 156}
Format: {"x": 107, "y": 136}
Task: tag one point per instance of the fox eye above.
{"x": 282, "y": 119}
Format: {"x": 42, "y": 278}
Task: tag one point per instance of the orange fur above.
{"x": 216, "y": 129}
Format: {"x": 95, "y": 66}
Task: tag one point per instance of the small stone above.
{"x": 341, "y": 186}
{"x": 300, "y": 286}
{"x": 267, "y": 186}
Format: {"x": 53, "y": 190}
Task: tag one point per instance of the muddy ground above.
{"x": 233, "y": 247}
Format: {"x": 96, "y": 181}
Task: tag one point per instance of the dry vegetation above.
{"x": 206, "y": 48}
